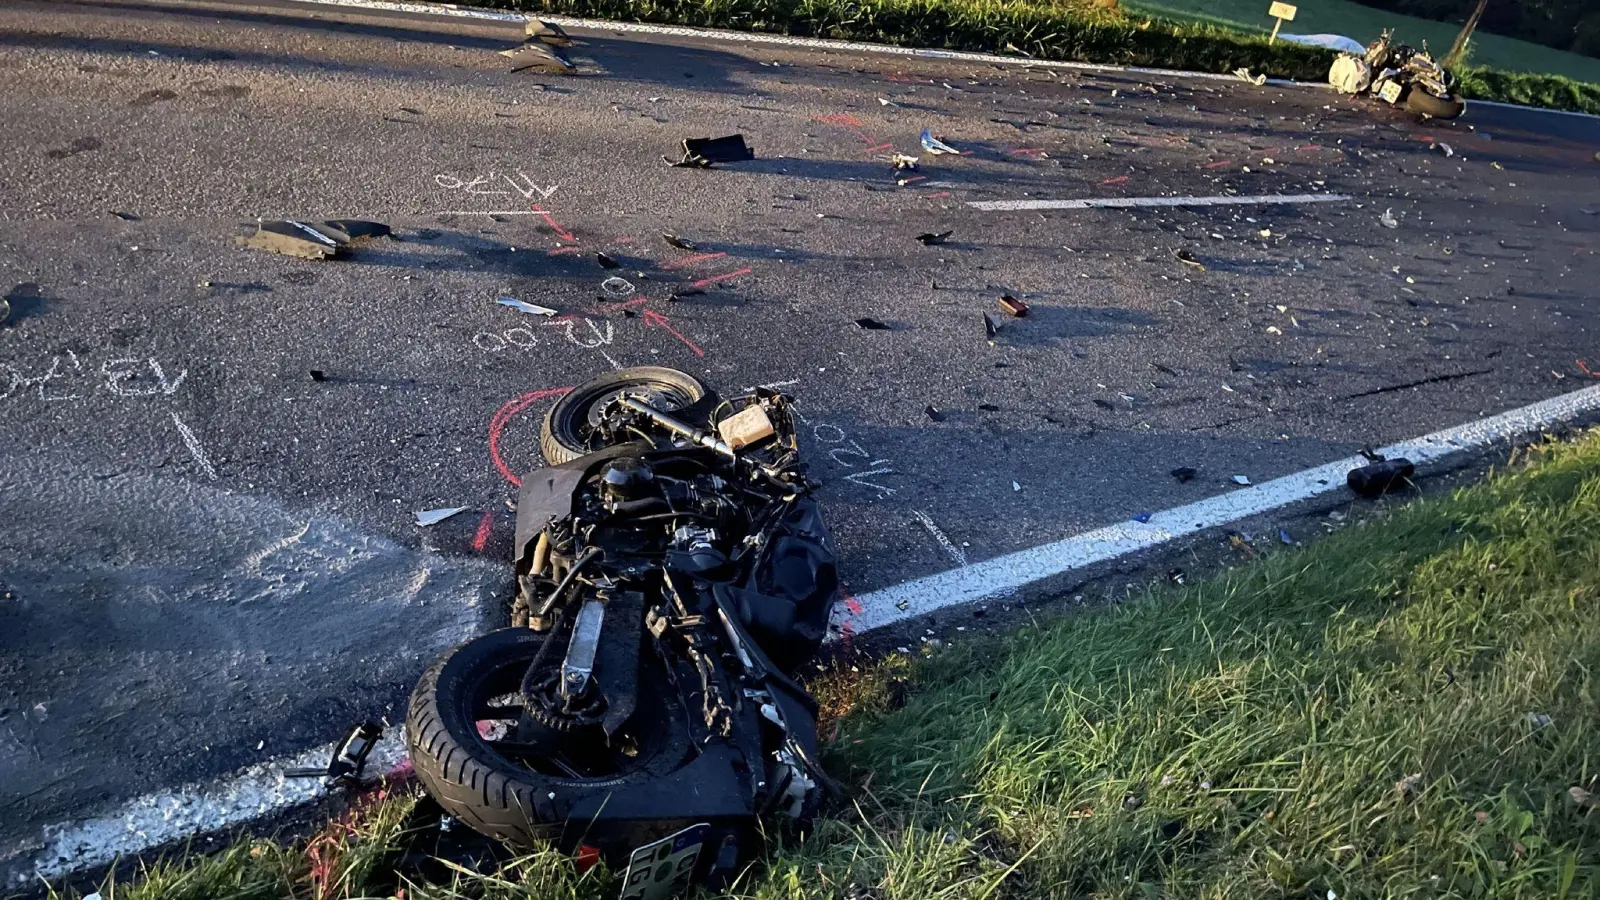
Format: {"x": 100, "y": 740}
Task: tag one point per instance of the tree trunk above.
{"x": 1459, "y": 48}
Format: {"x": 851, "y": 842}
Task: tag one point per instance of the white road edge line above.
{"x": 1004, "y": 574}
{"x": 756, "y": 37}
{"x": 1130, "y": 202}
{"x": 261, "y": 790}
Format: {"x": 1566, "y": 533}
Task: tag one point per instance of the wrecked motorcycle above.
{"x": 1399, "y": 75}
{"x": 673, "y": 572}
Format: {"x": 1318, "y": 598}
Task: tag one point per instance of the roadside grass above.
{"x": 1072, "y": 30}
{"x": 1406, "y": 707}
{"x": 1364, "y": 23}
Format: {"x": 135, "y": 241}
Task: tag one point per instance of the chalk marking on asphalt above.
{"x": 261, "y": 790}
{"x": 1129, "y": 202}
{"x": 992, "y": 577}
{"x": 957, "y": 555}
{"x": 193, "y": 443}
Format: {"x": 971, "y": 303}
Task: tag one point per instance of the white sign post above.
{"x": 1283, "y": 12}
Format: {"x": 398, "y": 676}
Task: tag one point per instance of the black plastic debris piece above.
{"x": 318, "y": 375}
{"x": 1187, "y": 258}
{"x": 1165, "y": 370}
{"x": 1176, "y": 576}
{"x": 930, "y": 238}
{"x": 349, "y": 760}
{"x": 701, "y": 153}
{"x": 546, "y": 33}
{"x": 126, "y": 216}
{"x": 1104, "y": 404}
{"x": 606, "y": 261}
{"x": 991, "y": 327}
{"x": 871, "y": 324}
{"x": 682, "y": 243}
{"x": 535, "y": 54}
{"x": 681, "y": 293}
{"x": 327, "y": 240}
{"x": 1013, "y": 305}
{"x": 934, "y": 413}
{"x": 1379, "y": 477}
{"x": 1184, "y": 474}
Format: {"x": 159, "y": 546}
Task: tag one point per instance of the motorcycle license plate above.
{"x": 662, "y": 869}
{"x": 1390, "y": 91}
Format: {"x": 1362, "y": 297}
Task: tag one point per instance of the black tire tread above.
{"x": 556, "y": 450}
{"x": 1429, "y": 105}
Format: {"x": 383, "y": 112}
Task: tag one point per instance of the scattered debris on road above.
{"x": 1244, "y": 75}
{"x": 427, "y": 517}
{"x": 906, "y": 163}
{"x": 681, "y": 243}
{"x": 934, "y": 413}
{"x": 935, "y": 146}
{"x": 1444, "y": 148}
{"x": 1379, "y": 475}
{"x": 701, "y": 153}
{"x": 1188, "y": 259}
{"x": 1013, "y": 305}
{"x": 1388, "y": 220}
{"x": 1184, "y": 474}
{"x": 318, "y": 375}
{"x": 991, "y": 327}
{"x": 607, "y": 261}
{"x": 529, "y": 308}
{"x": 328, "y": 240}
{"x": 349, "y": 760}
{"x": 929, "y": 238}
{"x": 1242, "y": 480}
{"x": 871, "y": 324}
{"x": 541, "y": 49}
{"x": 546, "y": 32}
{"x": 1015, "y": 487}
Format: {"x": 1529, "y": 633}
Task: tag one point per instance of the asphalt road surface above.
{"x": 209, "y": 557}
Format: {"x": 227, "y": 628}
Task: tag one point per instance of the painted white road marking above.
{"x": 1129, "y": 202}
{"x": 260, "y": 791}
{"x": 994, "y": 577}
{"x": 957, "y": 555}
{"x": 193, "y": 443}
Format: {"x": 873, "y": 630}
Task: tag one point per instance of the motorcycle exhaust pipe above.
{"x": 680, "y": 427}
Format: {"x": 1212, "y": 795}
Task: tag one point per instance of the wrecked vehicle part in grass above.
{"x": 673, "y": 571}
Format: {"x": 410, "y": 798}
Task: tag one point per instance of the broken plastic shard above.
{"x": 934, "y": 414}
{"x": 927, "y": 238}
{"x": 1445, "y": 149}
{"x": 354, "y": 230}
{"x": 990, "y": 326}
{"x": 428, "y": 517}
{"x": 905, "y": 162}
{"x": 291, "y": 238}
{"x": 1244, "y": 75}
{"x": 318, "y": 375}
{"x": 873, "y": 324}
{"x": 1142, "y": 518}
{"x": 1015, "y": 487}
{"x": 702, "y": 152}
{"x": 1188, "y": 259}
{"x": 519, "y": 306}
{"x": 547, "y": 32}
{"x": 681, "y": 243}
{"x": 1013, "y": 305}
{"x": 606, "y": 261}
{"x": 934, "y": 145}
{"x": 1283, "y": 535}
{"x": 538, "y": 55}
{"x": 1184, "y": 474}
{"x": 1242, "y": 480}
{"x": 1388, "y": 220}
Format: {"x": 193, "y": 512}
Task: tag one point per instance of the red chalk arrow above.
{"x": 657, "y": 320}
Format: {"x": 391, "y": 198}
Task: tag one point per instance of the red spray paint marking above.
{"x": 1218, "y": 165}
{"x": 940, "y": 194}
{"x": 636, "y": 301}
{"x": 913, "y": 179}
{"x": 562, "y": 233}
{"x": 560, "y": 250}
{"x": 691, "y": 260}
{"x": 481, "y": 538}
{"x": 852, "y": 604}
{"x": 1585, "y": 370}
{"x": 505, "y": 414}
{"x": 657, "y": 320}
{"x": 887, "y": 145}
{"x": 707, "y": 282}
{"x": 1120, "y": 179}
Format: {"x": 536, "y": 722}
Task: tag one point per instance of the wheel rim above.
{"x": 662, "y": 395}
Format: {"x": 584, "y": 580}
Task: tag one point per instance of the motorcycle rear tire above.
{"x": 564, "y": 436}
{"x": 1435, "y": 107}
{"x": 492, "y": 794}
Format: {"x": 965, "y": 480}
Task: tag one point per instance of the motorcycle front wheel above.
{"x": 569, "y": 428}
{"x": 461, "y": 735}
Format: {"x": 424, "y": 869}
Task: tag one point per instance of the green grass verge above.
{"x": 1073, "y": 30}
{"x": 1403, "y": 708}
{"x": 1364, "y": 24}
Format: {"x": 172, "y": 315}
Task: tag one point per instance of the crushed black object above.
{"x": 872, "y": 324}
{"x": 606, "y": 261}
{"x": 1184, "y": 474}
{"x": 318, "y": 375}
{"x": 1013, "y": 305}
{"x": 126, "y": 216}
{"x": 681, "y": 293}
{"x": 929, "y": 238}
{"x": 1187, "y": 258}
{"x": 681, "y": 243}
{"x": 349, "y": 760}
{"x": 988, "y": 407}
{"x": 701, "y": 153}
{"x": 991, "y": 327}
{"x": 1379, "y": 477}
{"x": 327, "y": 240}
{"x": 934, "y": 413}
